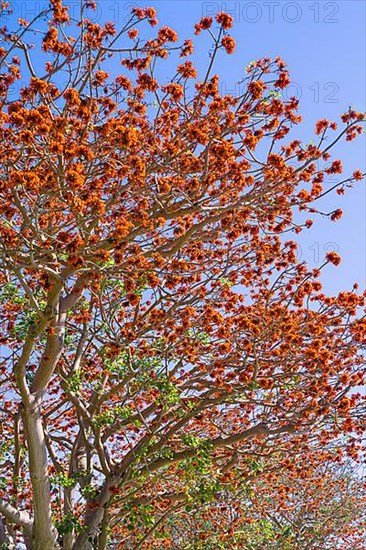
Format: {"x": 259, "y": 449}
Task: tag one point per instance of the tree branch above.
{"x": 20, "y": 517}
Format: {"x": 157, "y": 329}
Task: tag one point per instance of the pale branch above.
{"x": 55, "y": 340}
{"x": 94, "y": 517}
{"x": 19, "y": 517}
{"x": 49, "y": 360}
{"x": 259, "y": 429}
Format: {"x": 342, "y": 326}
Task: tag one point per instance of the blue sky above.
{"x": 324, "y": 44}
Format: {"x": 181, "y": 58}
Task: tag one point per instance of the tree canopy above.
{"x": 172, "y": 373}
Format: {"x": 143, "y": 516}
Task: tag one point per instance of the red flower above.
{"x": 229, "y": 44}
{"x": 224, "y": 347}
{"x": 166, "y": 34}
{"x": 335, "y": 168}
{"x": 187, "y": 70}
{"x": 187, "y": 48}
{"x": 256, "y": 88}
{"x": 175, "y": 90}
{"x": 139, "y": 12}
{"x": 321, "y": 125}
{"x": 72, "y": 97}
{"x": 124, "y": 82}
{"x": 336, "y": 215}
{"x": 358, "y": 175}
{"x": 150, "y": 13}
{"x": 147, "y": 82}
{"x": 283, "y": 80}
{"x": 132, "y": 298}
{"x": 133, "y": 33}
{"x": 333, "y": 257}
{"x": 225, "y": 20}
{"x": 203, "y": 25}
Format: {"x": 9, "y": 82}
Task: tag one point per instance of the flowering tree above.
{"x": 159, "y": 334}
{"x": 317, "y": 505}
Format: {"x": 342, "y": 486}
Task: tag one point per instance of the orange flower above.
{"x": 175, "y": 90}
{"x": 133, "y": 33}
{"x": 187, "y": 48}
{"x": 147, "y": 82}
{"x": 75, "y": 176}
{"x": 72, "y": 97}
{"x": 225, "y": 20}
{"x": 187, "y": 70}
{"x": 333, "y": 257}
{"x": 229, "y": 44}
{"x": 224, "y": 347}
{"x": 283, "y": 80}
{"x": 256, "y": 88}
{"x": 321, "y": 125}
{"x": 335, "y": 168}
{"x": 166, "y": 34}
{"x": 204, "y": 24}
{"x": 358, "y": 175}
{"x": 336, "y": 214}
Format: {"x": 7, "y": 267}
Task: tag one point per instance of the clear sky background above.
{"x": 324, "y": 44}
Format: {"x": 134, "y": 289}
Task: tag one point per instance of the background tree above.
{"x": 159, "y": 332}
{"x": 318, "y": 506}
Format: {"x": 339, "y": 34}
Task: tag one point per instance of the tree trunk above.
{"x": 6, "y": 538}
{"x": 44, "y": 535}
{"x": 94, "y": 518}
{"x": 103, "y": 535}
